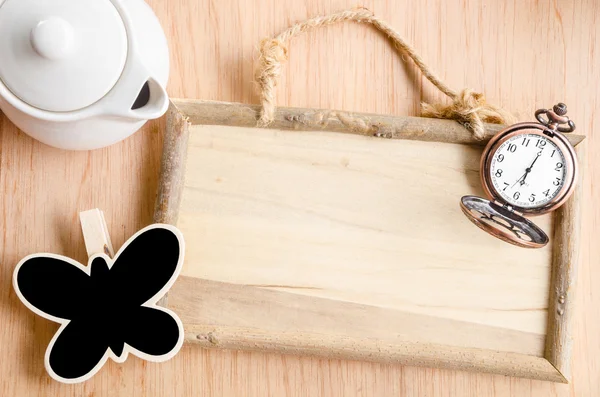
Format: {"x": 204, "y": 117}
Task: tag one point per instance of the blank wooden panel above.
{"x": 358, "y": 220}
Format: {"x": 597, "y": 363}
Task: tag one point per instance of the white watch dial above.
{"x": 528, "y": 170}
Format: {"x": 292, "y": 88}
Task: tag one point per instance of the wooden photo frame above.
{"x": 340, "y": 235}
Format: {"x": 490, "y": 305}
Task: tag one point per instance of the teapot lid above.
{"x": 61, "y": 55}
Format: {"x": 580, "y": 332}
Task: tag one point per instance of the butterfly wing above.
{"x": 147, "y": 265}
{"x": 154, "y": 334}
{"x": 52, "y": 286}
{"x": 77, "y": 352}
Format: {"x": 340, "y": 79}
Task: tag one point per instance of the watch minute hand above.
{"x": 534, "y": 160}
{"x": 522, "y": 178}
{"x": 528, "y": 170}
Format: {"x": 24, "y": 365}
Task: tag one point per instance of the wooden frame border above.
{"x": 555, "y": 366}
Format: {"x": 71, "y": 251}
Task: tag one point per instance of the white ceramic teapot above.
{"x": 81, "y": 74}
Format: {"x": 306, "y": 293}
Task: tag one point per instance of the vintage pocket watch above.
{"x": 526, "y": 169}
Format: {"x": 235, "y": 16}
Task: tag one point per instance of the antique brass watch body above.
{"x": 526, "y": 169}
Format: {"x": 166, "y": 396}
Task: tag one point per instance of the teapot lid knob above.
{"x": 53, "y": 38}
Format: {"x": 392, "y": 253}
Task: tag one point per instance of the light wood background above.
{"x": 523, "y": 55}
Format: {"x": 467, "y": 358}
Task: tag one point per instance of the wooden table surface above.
{"x": 522, "y": 55}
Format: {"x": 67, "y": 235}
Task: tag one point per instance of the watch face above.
{"x": 528, "y": 170}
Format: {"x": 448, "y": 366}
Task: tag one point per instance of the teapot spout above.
{"x": 138, "y": 95}
{"x": 151, "y": 103}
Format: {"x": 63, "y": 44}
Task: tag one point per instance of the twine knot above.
{"x": 471, "y": 110}
{"x": 273, "y": 51}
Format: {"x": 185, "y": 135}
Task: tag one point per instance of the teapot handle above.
{"x": 137, "y": 84}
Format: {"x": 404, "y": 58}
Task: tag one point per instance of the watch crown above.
{"x": 560, "y": 109}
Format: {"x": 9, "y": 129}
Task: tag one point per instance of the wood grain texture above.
{"x": 354, "y": 219}
{"x": 174, "y": 156}
{"x": 523, "y": 55}
{"x": 374, "y": 125}
{"x": 227, "y": 316}
{"x": 565, "y": 260}
{"x": 95, "y": 233}
{"x": 172, "y": 167}
{"x": 283, "y": 316}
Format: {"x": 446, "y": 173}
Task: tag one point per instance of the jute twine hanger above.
{"x": 468, "y": 107}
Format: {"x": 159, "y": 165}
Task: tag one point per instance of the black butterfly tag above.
{"x": 106, "y": 309}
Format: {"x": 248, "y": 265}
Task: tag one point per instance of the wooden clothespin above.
{"x": 95, "y": 233}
